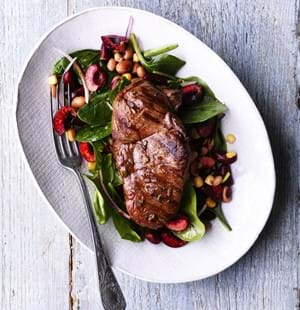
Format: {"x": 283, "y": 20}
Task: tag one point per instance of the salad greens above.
{"x": 84, "y": 58}
{"x": 196, "y": 228}
{"x": 208, "y": 108}
{"x": 93, "y": 133}
{"x": 97, "y": 115}
{"x": 164, "y": 63}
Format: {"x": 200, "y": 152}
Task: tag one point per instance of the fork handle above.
{"x": 110, "y": 291}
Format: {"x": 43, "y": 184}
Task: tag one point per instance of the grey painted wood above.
{"x": 258, "y": 39}
{"x": 34, "y": 245}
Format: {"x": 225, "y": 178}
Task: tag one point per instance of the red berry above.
{"x": 95, "y": 77}
{"x": 61, "y": 117}
{"x": 152, "y": 236}
{"x": 207, "y": 162}
{"x": 171, "y": 240}
{"x": 192, "y": 93}
{"x": 179, "y": 223}
{"x": 206, "y": 128}
{"x": 87, "y": 152}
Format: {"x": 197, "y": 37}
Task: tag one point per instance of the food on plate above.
{"x": 153, "y": 141}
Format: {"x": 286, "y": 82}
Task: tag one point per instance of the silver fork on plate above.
{"x": 69, "y": 157}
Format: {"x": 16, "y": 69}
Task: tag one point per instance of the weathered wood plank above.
{"x": 34, "y": 245}
{"x": 258, "y": 40}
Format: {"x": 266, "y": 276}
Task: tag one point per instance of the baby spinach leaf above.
{"x": 98, "y": 148}
{"x": 92, "y": 134}
{"x": 124, "y": 228}
{"x": 196, "y": 229}
{"x": 207, "y": 108}
{"x": 102, "y": 209}
{"x": 85, "y": 58}
{"x": 220, "y": 142}
{"x": 99, "y": 109}
{"x": 164, "y": 63}
{"x": 221, "y": 217}
{"x": 96, "y": 112}
{"x": 122, "y": 225}
{"x": 110, "y": 173}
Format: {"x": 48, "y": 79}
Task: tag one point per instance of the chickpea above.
{"x": 78, "y": 102}
{"x": 124, "y": 66}
{"x": 118, "y": 57}
{"x": 135, "y": 66}
{"x": 71, "y": 134}
{"x": 127, "y": 76}
{"x": 52, "y": 80}
{"x": 135, "y": 58}
{"x": 140, "y": 71}
{"x": 111, "y": 65}
{"x": 128, "y": 53}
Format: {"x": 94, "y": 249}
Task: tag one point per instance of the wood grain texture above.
{"x": 260, "y": 41}
{"x": 34, "y": 245}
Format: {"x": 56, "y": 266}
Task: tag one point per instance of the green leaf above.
{"x": 220, "y": 216}
{"x": 102, "y": 209}
{"x": 124, "y": 228}
{"x": 99, "y": 109}
{"x": 209, "y": 107}
{"x": 220, "y": 142}
{"x": 98, "y": 147}
{"x": 196, "y": 229}
{"x": 85, "y": 58}
{"x": 202, "y": 83}
{"x": 92, "y": 134}
{"x": 159, "y": 50}
{"x": 164, "y": 63}
{"x": 110, "y": 173}
{"x": 96, "y": 112}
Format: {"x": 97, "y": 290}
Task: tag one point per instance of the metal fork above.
{"x": 69, "y": 157}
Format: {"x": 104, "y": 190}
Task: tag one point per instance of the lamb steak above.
{"x": 151, "y": 151}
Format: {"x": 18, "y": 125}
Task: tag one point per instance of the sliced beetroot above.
{"x": 192, "y": 94}
{"x": 105, "y": 53}
{"x": 171, "y": 240}
{"x": 179, "y": 223}
{"x": 115, "y": 42}
{"x": 206, "y": 128}
{"x": 63, "y": 118}
{"x": 87, "y": 152}
{"x": 152, "y": 236}
{"x": 221, "y": 156}
{"x": 95, "y": 77}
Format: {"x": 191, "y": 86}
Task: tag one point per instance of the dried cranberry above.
{"x": 215, "y": 192}
{"x": 207, "y": 162}
{"x": 192, "y": 93}
{"x": 87, "y": 152}
{"x": 68, "y": 77}
{"x": 95, "y": 77}
{"x": 63, "y": 118}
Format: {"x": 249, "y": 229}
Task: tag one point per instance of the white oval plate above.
{"x": 253, "y": 172}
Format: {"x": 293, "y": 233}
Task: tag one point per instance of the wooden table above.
{"x": 43, "y": 267}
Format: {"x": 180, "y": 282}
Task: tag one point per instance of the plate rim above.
{"x": 40, "y": 191}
